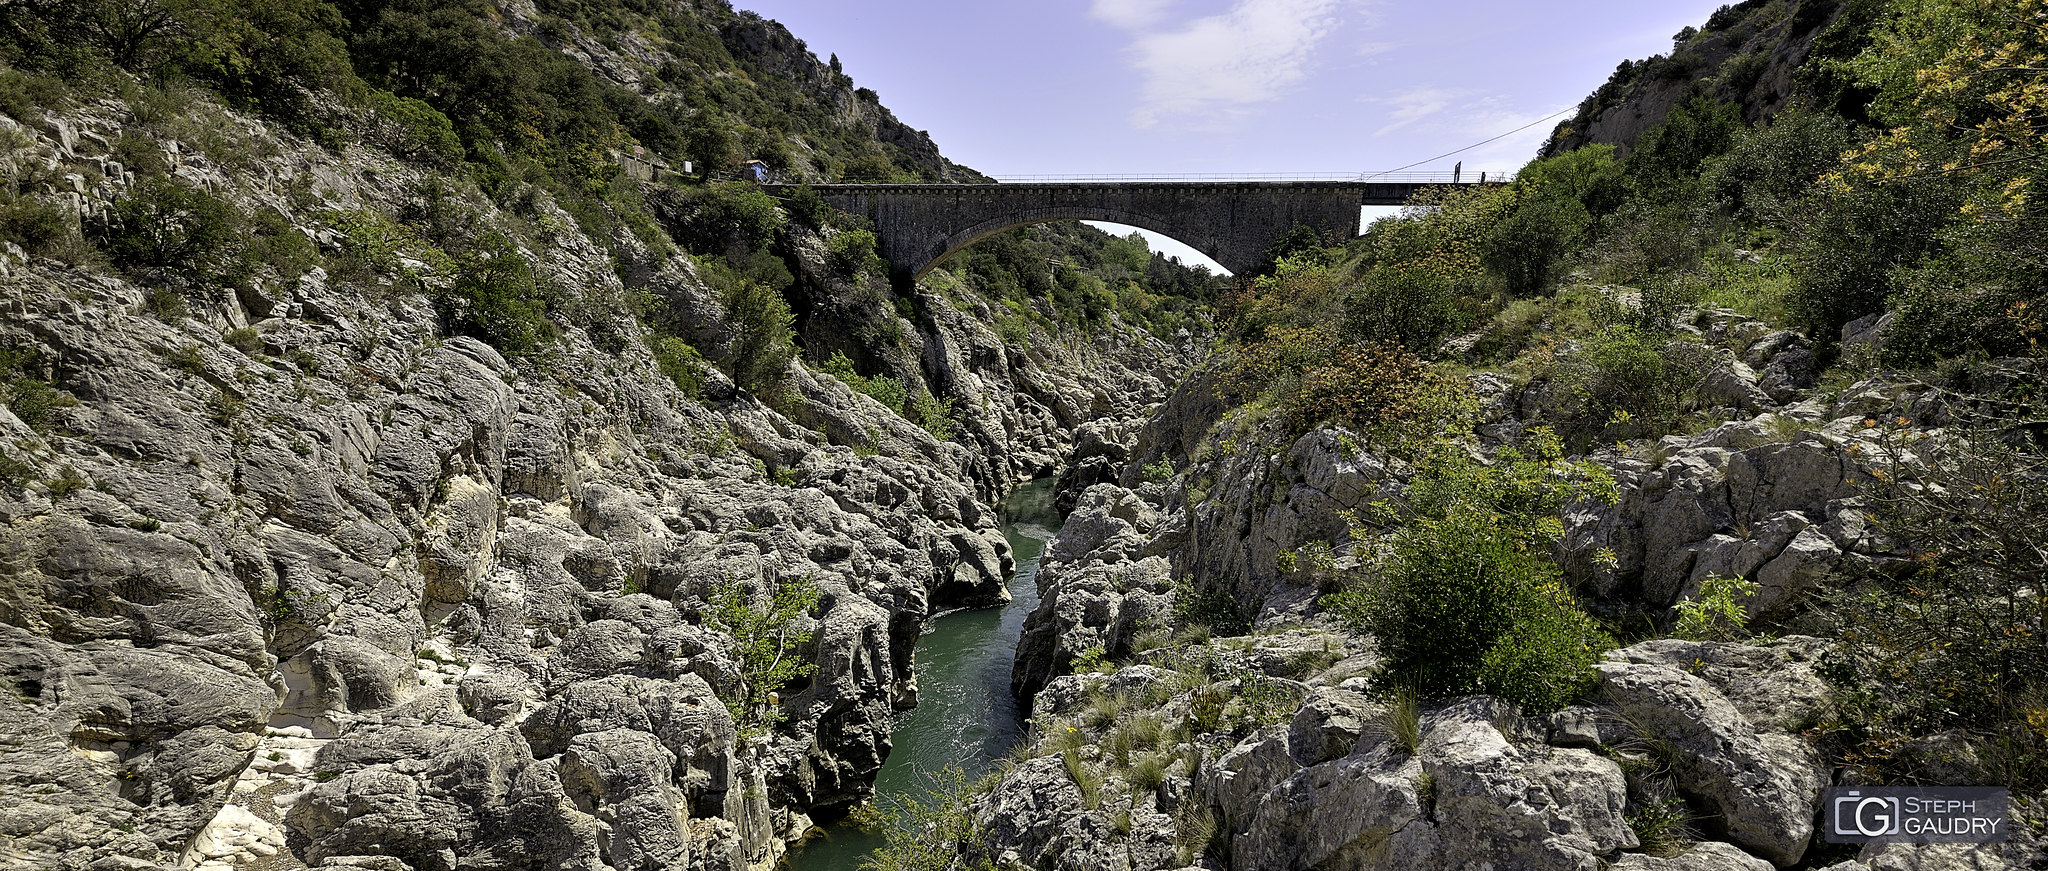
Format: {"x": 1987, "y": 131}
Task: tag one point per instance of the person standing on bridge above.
{"x": 1457, "y": 169}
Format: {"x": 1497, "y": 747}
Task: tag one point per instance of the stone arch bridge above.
{"x": 1233, "y": 221}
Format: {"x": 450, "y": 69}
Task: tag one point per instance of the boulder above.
{"x": 1764, "y": 787}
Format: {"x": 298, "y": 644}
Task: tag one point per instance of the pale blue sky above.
{"x": 1083, "y": 87}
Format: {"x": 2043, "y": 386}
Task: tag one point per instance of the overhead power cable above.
{"x": 1477, "y": 144}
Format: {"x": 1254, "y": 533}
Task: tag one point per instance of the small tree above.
{"x": 767, "y": 640}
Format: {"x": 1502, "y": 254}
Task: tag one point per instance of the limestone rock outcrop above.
{"x": 291, "y": 569}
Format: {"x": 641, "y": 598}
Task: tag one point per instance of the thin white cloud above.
{"x": 1129, "y": 14}
{"x": 1446, "y": 120}
{"x": 1415, "y": 105}
{"x": 1375, "y": 49}
{"x": 1214, "y": 70}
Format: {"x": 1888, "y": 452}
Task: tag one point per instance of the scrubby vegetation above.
{"x": 1900, "y": 181}
{"x": 1465, "y": 598}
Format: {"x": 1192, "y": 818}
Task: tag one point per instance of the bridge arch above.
{"x": 933, "y": 254}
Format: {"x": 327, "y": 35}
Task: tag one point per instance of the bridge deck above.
{"x": 1370, "y": 193}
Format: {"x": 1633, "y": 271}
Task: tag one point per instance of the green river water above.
{"x": 965, "y": 715}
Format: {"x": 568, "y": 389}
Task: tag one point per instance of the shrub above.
{"x": 1461, "y": 606}
{"x": 34, "y": 401}
{"x": 1894, "y": 225}
{"x": 1361, "y": 386}
{"x": 721, "y": 218}
{"x": 769, "y": 638}
{"x": 1955, "y": 644}
{"x": 1413, "y": 308}
{"x": 24, "y": 96}
{"x": 925, "y": 830}
{"x": 885, "y": 390}
{"x": 495, "y": 297}
{"x": 853, "y": 252}
{"x": 1205, "y": 609}
{"x": 273, "y": 242}
{"x": 680, "y": 363}
{"x": 934, "y": 414}
{"x": 418, "y": 131}
{"x": 1466, "y": 598}
{"x": 245, "y": 340}
{"x": 1014, "y": 330}
{"x": 763, "y": 343}
{"x": 166, "y": 223}
{"x": 1623, "y": 381}
{"x": 1525, "y": 247}
{"x": 39, "y": 227}
{"x": 805, "y": 205}
{"x": 1719, "y": 612}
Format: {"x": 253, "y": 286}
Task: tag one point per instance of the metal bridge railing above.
{"x": 1388, "y": 177}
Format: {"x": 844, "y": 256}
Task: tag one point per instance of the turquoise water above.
{"x": 965, "y": 715}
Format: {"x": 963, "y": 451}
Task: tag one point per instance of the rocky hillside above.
{"x": 379, "y": 492}
{"x": 1753, "y": 54}
{"x": 1600, "y": 521}
{"x": 1281, "y": 746}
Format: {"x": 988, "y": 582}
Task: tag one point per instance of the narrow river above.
{"x": 965, "y": 715}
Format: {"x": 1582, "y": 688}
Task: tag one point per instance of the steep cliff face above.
{"x": 292, "y": 572}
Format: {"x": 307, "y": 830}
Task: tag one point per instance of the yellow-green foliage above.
{"x": 885, "y": 390}
{"x": 679, "y": 362}
{"x": 853, "y": 252}
{"x": 1442, "y": 233}
{"x": 769, "y": 638}
{"x": 1719, "y": 613}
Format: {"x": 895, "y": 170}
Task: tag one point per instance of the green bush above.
{"x": 1462, "y": 606}
{"x": 423, "y": 133}
{"x": 853, "y": 253}
{"x": 496, "y": 298}
{"x": 934, "y": 414}
{"x": 1622, "y": 382}
{"x": 273, "y": 242}
{"x": 680, "y": 363}
{"x": 768, "y": 644}
{"x": 1719, "y": 612}
{"x": 1466, "y": 597}
{"x": 166, "y": 223}
{"x": 763, "y": 341}
{"x": 926, "y": 829}
{"x": 1953, "y": 646}
{"x": 1526, "y": 246}
{"x": 885, "y": 390}
{"x": 1409, "y": 307}
{"x": 807, "y": 206}
{"x": 34, "y": 401}
{"x": 39, "y": 227}
{"x": 1769, "y": 176}
{"x": 728, "y": 218}
{"x": 245, "y": 340}
{"x": 1014, "y": 330}
{"x": 1894, "y": 225}
{"x": 24, "y": 96}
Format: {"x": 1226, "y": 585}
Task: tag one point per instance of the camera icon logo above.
{"x": 1867, "y": 816}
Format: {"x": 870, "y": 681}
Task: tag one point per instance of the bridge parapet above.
{"x": 1232, "y": 220}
